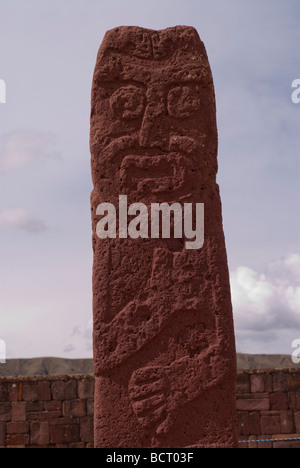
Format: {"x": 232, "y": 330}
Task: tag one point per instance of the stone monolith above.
{"x": 164, "y": 348}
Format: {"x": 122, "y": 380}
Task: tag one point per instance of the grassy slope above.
{"x": 45, "y": 366}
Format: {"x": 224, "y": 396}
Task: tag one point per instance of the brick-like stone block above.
{"x": 265, "y": 445}
{"x": 294, "y": 400}
{"x": 270, "y": 423}
{"x": 245, "y": 396}
{"x": 39, "y": 433}
{"x": 287, "y": 445}
{"x": 293, "y": 382}
{"x": 254, "y": 423}
{"x": 18, "y": 411}
{"x": 297, "y": 421}
{"x": 17, "y": 428}
{"x": 243, "y": 423}
{"x": 280, "y": 383}
{"x": 253, "y": 445}
{"x": 17, "y": 440}
{"x": 90, "y": 407}
{"x": 268, "y": 379}
{"x": 44, "y": 391}
{"x": 64, "y": 434}
{"x": 5, "y": 412}
{"x": 32, "y": 406}
{"x": 58, "y": 390}
{"x": 242, "y": 383}
{"x": 2, "y": 434}
{"x": 86, "y": 389}
{"x": 63, "y": 421}
{"x": 278, "y": 401}
{"x": 256, "y": 396}
{"x": 74, "y": 408}
{"x": 54, "y": 405}
{"x": 79, "y": 445}
{"x": 87, "y": 430}
{"x": 70, "y": 390}
{"x": 257, "y": 383}
{"x": 255, "y": 404}
{"x": 30, "y": 392}
{"x": 62, "y": 390}
{"x": 3, "y": 392}
{"x": 15, "y": 391}
{"x": 43, "y": 415}
{"x": 284, "y": 436}
{"x": 287, "y": 422}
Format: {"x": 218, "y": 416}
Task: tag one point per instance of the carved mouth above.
{"x": 159, "y": 173}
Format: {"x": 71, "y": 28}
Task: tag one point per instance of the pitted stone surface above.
{"x": 164, "y": 346}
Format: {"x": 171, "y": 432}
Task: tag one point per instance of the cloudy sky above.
{"x": 47, "y": 56}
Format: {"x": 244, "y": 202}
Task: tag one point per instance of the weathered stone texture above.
{"x": 163, "y": 331}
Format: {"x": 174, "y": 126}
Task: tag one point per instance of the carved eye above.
{"x": 183, "y": 101}
{"x": 127, "y": 102}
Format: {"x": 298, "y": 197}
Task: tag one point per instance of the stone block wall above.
{"x": 57, "y": 411}
{"x": 268, "y": 404}
{"x": 46, "y": 412}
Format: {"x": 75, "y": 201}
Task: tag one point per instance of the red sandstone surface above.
{"x": 164, "y": 346}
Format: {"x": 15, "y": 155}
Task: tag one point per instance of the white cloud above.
{"x": 19, "y": 218}
{"x": 82, "y": 337}
{"x": 266, "y": 306}
{"x": 23, "y": 148}
{"x": 69, "y": 349}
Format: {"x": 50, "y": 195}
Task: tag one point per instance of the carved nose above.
{"x": 153, "y": 131}
{"x": 150, "y": 135}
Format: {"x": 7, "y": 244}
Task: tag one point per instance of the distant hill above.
{"x": 265, "y": 361}
{"x": 58, "y": 366}
{"x": 45, "y": 366}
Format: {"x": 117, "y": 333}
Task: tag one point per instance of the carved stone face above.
{"x": 163, "y": 337}
{"x": 153, "y": 118}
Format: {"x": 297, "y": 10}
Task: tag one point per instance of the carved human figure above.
{"x": 163, "y": 331}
